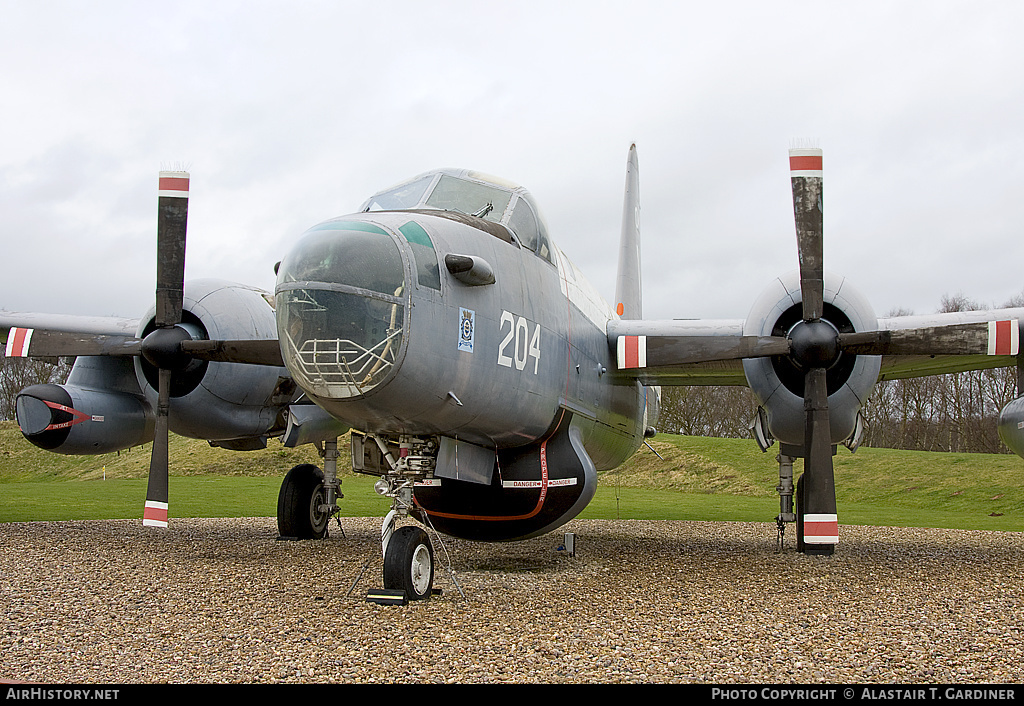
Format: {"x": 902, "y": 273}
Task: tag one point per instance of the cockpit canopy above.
{"x": 473, "y": 194}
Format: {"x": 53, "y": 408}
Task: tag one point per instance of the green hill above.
{"x": 20, "y": 461}
{"x": 688, "y": 478}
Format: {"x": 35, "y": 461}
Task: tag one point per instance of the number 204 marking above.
{"x": 523, "y": 345}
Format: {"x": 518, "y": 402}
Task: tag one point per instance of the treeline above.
{"x": 18, "y": 373}
{"x": 956, "y": 412}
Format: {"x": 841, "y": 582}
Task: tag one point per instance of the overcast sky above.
{"x": 288, "y": 113}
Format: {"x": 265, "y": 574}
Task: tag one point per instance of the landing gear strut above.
{"x": 309, "y": 497}
{"x": 408, "y": 554}
{"x": 785, "y": 490}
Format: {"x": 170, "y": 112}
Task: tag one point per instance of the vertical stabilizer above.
{"x": 627, "y": 282}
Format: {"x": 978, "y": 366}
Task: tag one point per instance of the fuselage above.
{"x": 383, "y": 335}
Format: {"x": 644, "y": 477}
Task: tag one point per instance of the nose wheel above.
{"x": 409, "y": 563}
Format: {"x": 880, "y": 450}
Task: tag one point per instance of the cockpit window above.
{"x": 342, "y": 299}
{"x": 530, "y": 233}
{"x": 524, "y": 223}
{"x": 469, "y": 197}
{"x": 403, "y": 196}
{"x": 428, "y": 274}
{"x": 472, "y": 194}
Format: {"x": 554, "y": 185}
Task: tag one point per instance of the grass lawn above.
{"x": 690, "y": 478}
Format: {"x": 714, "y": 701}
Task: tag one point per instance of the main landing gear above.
{"x": 309, "y": 497}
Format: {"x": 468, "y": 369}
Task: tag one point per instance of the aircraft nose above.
{"x": 341, "y": 309}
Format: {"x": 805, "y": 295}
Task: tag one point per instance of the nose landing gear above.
{"x": 408, "y": 553}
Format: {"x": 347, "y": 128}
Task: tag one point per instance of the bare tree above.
{"x": 722, "y": 411}
{"x": 18, "y": 373}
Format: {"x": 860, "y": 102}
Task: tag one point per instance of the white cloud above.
{"x": 290, "y": 113}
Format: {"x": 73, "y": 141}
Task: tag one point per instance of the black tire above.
{"x": 409, "y": 563}
{"x": 302, "y": 491}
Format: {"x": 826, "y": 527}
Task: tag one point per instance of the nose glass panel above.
{"x": 341, "y": 311}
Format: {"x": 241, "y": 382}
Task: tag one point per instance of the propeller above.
{"x": 169, "y": 347}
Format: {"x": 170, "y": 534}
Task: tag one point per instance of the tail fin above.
{"x": 628, "y": 304}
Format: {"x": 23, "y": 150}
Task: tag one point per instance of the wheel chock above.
{"x": 386, "y": 596}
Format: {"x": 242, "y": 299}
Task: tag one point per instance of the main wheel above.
{"x": 409, "y": 563}
{"x": 298, "y": 504}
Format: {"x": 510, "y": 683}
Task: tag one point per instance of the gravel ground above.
{"x": 216, "y": 601}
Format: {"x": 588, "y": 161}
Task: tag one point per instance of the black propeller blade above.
{"x": 172, "y": 220}
{"x": 159, "y": 347}
{"x": 815, "y": 347}
{"x": 982, "y": 338}
{"x": 176, "y": 348}
{"x": 669, "y": 351}
{"x": 806, "y": 178}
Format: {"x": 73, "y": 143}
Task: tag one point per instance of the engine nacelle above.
{"x": 778, "y": 383}
{"x": 1011, "y": 426}
{"x": 223, "y": 402}
{"x": 78, "y": 419}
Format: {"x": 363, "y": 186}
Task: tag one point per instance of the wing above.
{"x": 84, "y": 326}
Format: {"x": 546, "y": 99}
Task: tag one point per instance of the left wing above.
{"x": 82, "y": 325}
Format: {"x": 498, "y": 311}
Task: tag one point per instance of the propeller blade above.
{"x": 261, "y": 352}
{"x": 982, "y": 338}
{"x": 155, "y": 513}
{"x": 172, "y": 219}
{"x": 806, "y": 178}
{"x": 660, "y": 351}
{"x": 38, "y": 343}
{"x": 818, "y": 507}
